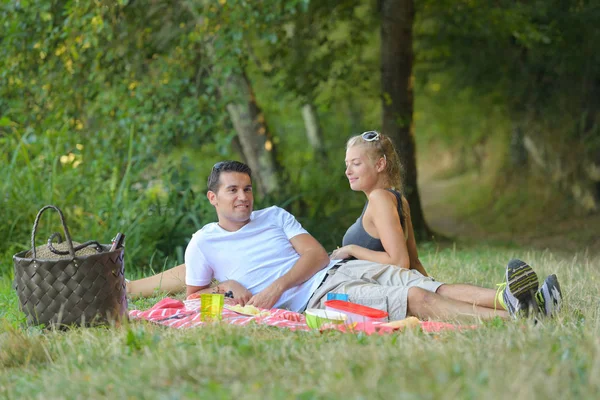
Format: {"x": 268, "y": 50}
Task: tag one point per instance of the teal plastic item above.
{"x": 337, "y": 296}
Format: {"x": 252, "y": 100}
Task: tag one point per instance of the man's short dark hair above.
{"x": 226, "y": 166}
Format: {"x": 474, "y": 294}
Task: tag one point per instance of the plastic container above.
{"x": 337, "y": 296}
{"x": 316, "y": 317}
{"x": 356, "y": 312}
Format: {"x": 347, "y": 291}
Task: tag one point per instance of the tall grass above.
{"x": 557, "y": 358}
{"x": 104, "y": 184}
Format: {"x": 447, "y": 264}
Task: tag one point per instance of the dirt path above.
{"x": 440, "y": 213}
{"x": 572, "y": 234}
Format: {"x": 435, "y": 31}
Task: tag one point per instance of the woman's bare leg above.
{"x": 170, "y": 281}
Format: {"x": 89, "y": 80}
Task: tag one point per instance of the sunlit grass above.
{"x": 514, "y": 359}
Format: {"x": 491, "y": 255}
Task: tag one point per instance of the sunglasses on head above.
{"x": 218, "y": 165}
{"x": 370, "y": 136}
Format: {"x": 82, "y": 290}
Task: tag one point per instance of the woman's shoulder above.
{"x": 397, "y": 195}
{"x": 382, "y": 197}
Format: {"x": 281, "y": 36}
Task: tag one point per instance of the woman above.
{"x": 383, "y": 233}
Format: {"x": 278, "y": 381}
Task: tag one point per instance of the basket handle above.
{"x": 97, "y": 245}
{"x": 64, "y": 225}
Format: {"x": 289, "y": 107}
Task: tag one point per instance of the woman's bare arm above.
{"x": 411, "y": 243}
{"x": 382, "y": 214}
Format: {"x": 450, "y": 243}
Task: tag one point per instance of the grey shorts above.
{"x": 384, "y": 287}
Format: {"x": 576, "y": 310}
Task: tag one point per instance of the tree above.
{"x": 397, "y": 96}
{"x": 255, "y": 139}
{"x": 225, "y": 28}
{"x": 313, "y": 55}
{"x": 314, "y": 132}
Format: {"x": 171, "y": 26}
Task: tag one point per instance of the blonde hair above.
{"x": 382, "y": 147}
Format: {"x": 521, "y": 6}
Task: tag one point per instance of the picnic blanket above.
{"x": 180, "y": 315}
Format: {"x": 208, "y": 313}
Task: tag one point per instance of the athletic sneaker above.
{"x": 549, "y": 297}
{"x": 517, "y": 293}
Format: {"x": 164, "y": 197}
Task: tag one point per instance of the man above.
{"x": 265, "y": 253}
{"x": 266, "y": 259}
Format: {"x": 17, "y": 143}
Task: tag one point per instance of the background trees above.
{"x": 115, "y": 110}
{"x": 534, "y": 60}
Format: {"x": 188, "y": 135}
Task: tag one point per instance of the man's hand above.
{"x": 241, "y": 295}
{"x": 313, "y": 258}
{"x": 267, "y": 298}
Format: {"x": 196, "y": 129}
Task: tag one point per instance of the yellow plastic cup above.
{"x": 211, "y": 307}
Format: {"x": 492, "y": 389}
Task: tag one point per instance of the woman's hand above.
{"x": 342, "y": 253}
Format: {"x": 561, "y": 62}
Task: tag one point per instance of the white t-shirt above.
{"x": 255, "y": 256}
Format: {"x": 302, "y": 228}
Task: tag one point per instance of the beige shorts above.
{"x": 384, "y": 287}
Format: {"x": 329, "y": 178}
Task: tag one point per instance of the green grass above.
{"x": 557, "y": 358}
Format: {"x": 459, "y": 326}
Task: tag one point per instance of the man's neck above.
{"x": 232, "y": 226}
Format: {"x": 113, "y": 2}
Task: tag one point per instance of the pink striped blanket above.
{"x": 177, "y": 314}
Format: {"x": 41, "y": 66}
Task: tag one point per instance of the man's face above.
{"x": 233, "y": 200}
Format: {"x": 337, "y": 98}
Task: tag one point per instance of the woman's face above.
{"x": 360, "y": 169}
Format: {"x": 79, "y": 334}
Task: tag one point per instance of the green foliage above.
{"x": 536, "y": 60}
{"x": 101, "y": 194}
{"x": 10, "y": 315}
{"x": 324, "y": 50}
{"x": 93, "y": 100}
{"x": 112, "y": 109}
{"x": 457, "y": 118}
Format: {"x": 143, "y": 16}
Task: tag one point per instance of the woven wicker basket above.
{"x": 85, "y": 286}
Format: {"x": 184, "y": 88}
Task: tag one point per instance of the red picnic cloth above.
{"x": 177, "y": 314}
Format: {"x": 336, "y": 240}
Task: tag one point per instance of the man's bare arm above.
{"x": 198, "y": 289}
{"x": 313, "y": 258}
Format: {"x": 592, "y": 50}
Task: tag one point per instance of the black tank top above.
{"x": 357, "y": 235}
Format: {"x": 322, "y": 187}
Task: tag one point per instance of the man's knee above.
{"x": 443, "y": 289}
{"x": 421, "y": 302}
{"x": 418, "y": 295}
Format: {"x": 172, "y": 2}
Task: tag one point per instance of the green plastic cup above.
{"x": 211, "y": 307}
{"x": 317, "y": 317}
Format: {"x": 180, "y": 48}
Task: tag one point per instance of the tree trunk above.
{"x": 397, "y": 90}
{"x": 313, "y": 128}
{"x": 517, "y": 150}
{"x": 254, "y": 136}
